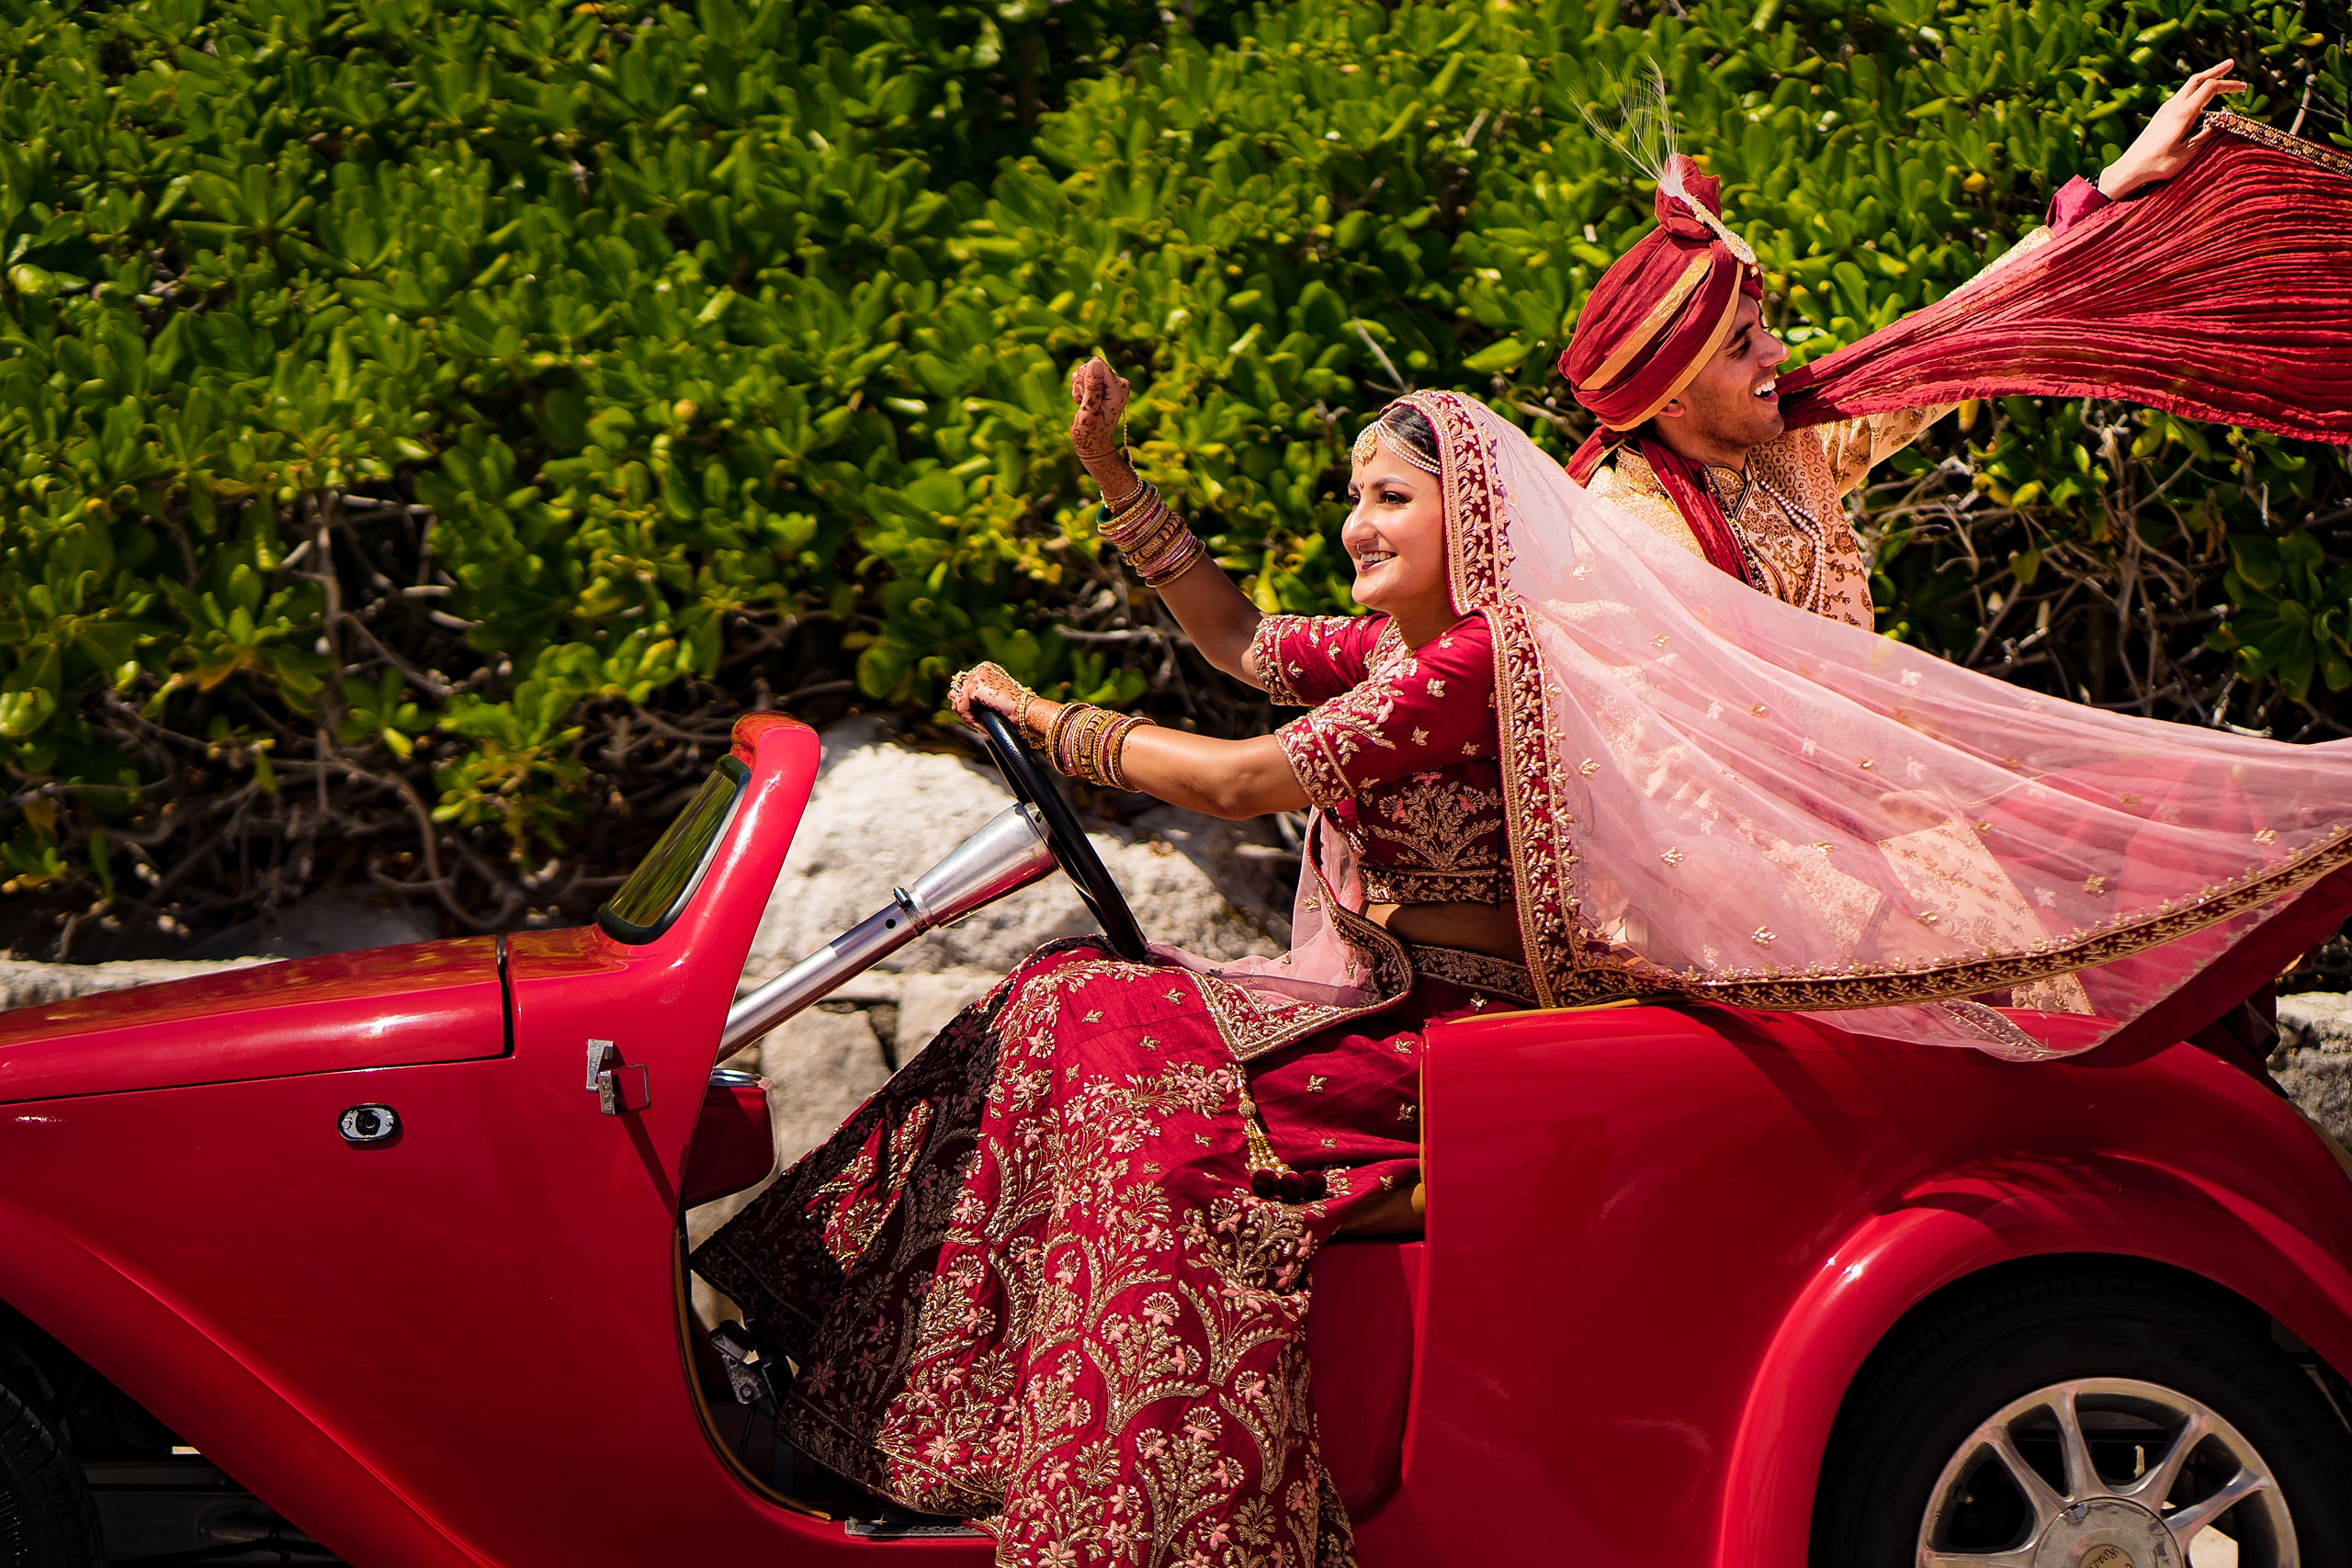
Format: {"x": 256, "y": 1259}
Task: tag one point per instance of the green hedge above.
{"x": 427, "y": 422}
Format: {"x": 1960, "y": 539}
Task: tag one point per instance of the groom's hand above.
{"x": 2172, "y": 137}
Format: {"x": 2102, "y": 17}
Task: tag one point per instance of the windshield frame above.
{"x": 621, "y": 930}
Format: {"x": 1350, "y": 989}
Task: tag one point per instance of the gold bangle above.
{"x": 1064, "y": 756}
{"x": 1070, "y": 757}
{"x": 1175, "y": 561}
{"x": 1130, "y": 496}
{"x": 1077, "y": 739}
{"x": 1162, "y": 553}
{"x": 1147, "y": 553}
{"x": 1114, "y": 747}
{"x": 1113, "y": 521}
{"x": 1114, "y": 517}
{"x": 1166, "y": 565}
{"x": 1144, "y": 545}
{"x": 1091, "y": 758}
{"x": 1057, "y": 731}
{"x": 1090, "y": 744}
{"x": 1152, "y": 525}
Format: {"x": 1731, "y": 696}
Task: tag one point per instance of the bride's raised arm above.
{"x": 1395, "y": 537}
{"x": 1213, "y": 611}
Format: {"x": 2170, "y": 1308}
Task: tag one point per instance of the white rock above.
{"x": 819, "y": 1068}
{"x": 2314, "y": 1061}
{"x": 2317, "y": 1020}
{"x": 926, "y": 1003}
{"x": 25, "y": 984}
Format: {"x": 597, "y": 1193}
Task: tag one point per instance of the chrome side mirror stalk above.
{"x": 1000, "y": 860}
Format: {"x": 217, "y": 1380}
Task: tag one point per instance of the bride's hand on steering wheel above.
{"x": 991, "y": 685}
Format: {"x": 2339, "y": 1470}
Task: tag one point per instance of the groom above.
{"x": 1671, "y": 355}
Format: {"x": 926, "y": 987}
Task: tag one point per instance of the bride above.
{"x": 1053, "y": 1277}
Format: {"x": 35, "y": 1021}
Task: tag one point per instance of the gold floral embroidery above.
{"x": 1443, "y": 824}
{"x": 1474, "y": 971}
{"x": 1254, "y": 1021}
{"x": 2119, "y": 936}
{"x": 1272, "y": 661}
{"x": 1320, "y": 745}
{"x": 1264, "y": 662}
{"x": 1571, "y": 964}
{"x": 2270, "y": 136}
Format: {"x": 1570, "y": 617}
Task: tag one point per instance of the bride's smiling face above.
{"x": 1395, "y": 537}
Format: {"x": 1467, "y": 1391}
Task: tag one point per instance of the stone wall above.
{"x": 2314, "y": 1058}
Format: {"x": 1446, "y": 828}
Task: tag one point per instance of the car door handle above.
{"x": 618, "y": 1086}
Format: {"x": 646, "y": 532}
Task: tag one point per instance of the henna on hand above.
{"x": 1095, "y": 429}
{"x": 990, "y": 685}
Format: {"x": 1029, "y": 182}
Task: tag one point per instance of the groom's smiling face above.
{"x": 1732, "y": 404}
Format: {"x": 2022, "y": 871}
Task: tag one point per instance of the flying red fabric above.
{"x": 2224, "y": 294}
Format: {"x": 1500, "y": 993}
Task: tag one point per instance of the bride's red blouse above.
{"x": 1399, "y": 751}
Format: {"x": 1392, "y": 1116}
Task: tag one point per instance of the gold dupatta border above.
{"x": 1868, "y": 986}
{"x": 2277, "y": 141}
{"x": 1255, "y": 1019}
{"x": 1539, "y": 833}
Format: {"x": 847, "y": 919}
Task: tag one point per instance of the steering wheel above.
{"x": 1035, "y": 789}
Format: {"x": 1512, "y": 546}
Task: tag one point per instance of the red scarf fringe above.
{"x": 2224, "y": 295}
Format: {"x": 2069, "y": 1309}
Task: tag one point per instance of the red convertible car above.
{"x": 394, "y": 1240}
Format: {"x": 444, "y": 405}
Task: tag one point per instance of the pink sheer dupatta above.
{"x": 1714, "y": 795}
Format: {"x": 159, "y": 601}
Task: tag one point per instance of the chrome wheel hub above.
{"x": 2110, "y": 1533}
{"x": 2106, "y": 1472}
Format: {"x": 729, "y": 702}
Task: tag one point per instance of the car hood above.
{"x": 433, "y": 1001}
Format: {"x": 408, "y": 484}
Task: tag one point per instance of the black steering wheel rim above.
{"x": 1036, "y": 788}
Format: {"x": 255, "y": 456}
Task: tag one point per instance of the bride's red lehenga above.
{"x": 1043, "y": 1277}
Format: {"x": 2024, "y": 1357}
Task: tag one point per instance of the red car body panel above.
{"x": 1659, "y": 1244}
{"x": 433, "y": 1001}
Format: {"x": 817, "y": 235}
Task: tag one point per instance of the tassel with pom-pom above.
{"x": 1270, "y": 1177}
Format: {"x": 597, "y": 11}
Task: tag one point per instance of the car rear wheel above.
{"x": 2095, "y": 1421}
{"x": 46, "y": 1519}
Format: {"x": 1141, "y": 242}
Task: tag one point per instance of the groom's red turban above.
{"x": 1663, "y": 310}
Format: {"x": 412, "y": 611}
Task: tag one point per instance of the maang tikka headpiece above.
{"x": 1368, "y": 442}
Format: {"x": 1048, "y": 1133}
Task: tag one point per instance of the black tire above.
{"x": 1961, "y": 1362}
{"x": 46, "y": 1519}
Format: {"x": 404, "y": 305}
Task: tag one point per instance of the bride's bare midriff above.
{"x": 1490, "y": 929}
